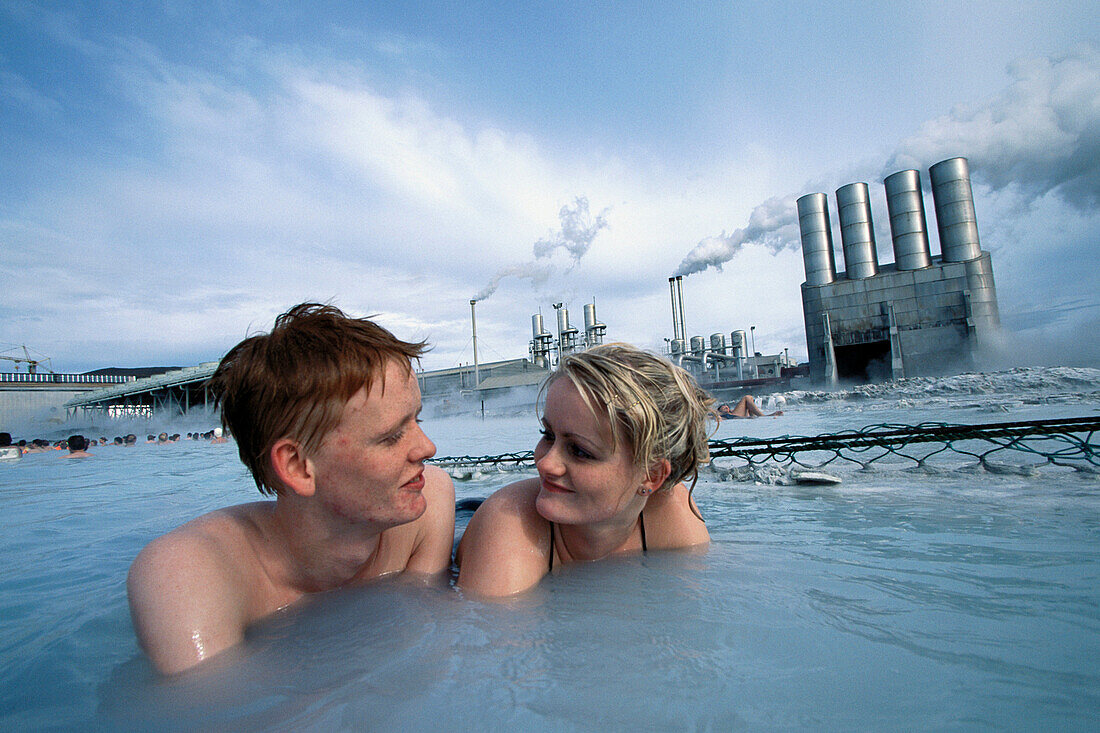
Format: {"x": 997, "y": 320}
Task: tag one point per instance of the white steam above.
{"x": 575, "y": 236}
{"x": 1040, "y": 134}
{"x": 773, "y": 224}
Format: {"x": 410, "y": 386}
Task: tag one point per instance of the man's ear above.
{"x": 292, "y": 467}
{"x": 658, "y": 474}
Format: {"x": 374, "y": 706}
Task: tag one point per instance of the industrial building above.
{"x": 42, "y": 397}
{"x": 721, "y": 364}
{"x": 923, "y": 314}
{"x": 546, "y": 350}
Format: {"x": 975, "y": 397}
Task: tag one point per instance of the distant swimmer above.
{"x": 78, "y": 447}
{"x": 325, "y": 410}
{"x": 9, "y": 452}
{"x": 745, "y": 408}
{"x": 219, "y": 436}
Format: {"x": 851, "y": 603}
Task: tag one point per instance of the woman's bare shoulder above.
{"x": 671, "y": 520}
{"x": 504, "y": 548}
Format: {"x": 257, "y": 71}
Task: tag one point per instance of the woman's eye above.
{"x": 579, "y": 452}
{"x": 395, "y": 438}
{"x": 547, "y": 435}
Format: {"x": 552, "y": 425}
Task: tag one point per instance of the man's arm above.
{"x": 436, "y": 531}
{"x": 504, "y": 548}
{"x": 185, "y": 603}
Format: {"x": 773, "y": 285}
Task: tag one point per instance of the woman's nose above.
{"x": 549, "y": 462}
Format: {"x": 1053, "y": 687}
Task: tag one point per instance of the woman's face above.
{"x": 584, "y": 477}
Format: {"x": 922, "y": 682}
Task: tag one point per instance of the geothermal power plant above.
{"x": 923, "y": 314}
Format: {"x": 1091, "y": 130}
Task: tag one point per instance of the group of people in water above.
{"x": 79, "y": 446}
{"x": 325, "y": 411}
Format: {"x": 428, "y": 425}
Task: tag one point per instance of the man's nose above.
{"x": 423, "y": 448}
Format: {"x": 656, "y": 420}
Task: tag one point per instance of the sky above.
{"x": 174, "y": 175}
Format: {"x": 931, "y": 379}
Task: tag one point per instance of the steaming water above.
{"x": 894, "y": 600}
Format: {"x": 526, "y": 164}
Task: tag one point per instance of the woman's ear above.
{"x": 294, "y": 469}
{"x": 658, "y": 474}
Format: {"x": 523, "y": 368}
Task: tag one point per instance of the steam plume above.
{"x": 1039, "y": 134}
{"x": 575, "y": 236}
{"x": 773, "y": 224}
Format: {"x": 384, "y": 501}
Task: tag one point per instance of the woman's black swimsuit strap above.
{"x": 641, "y": 522}
{"x": 551, "y": 547}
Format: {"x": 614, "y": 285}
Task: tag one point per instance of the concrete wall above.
{"x": 27, "y": 404}
{"x": 943, "y": 313}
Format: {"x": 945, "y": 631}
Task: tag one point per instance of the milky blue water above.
{"x": 953, "y": 600}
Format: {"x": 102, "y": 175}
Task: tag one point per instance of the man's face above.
{"x": 370, "y": 467}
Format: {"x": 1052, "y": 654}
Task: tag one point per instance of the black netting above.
{"x": 1067, "y": 442}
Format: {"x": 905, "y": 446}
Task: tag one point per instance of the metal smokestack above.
{"x": 817, "y": 239}
{"x": 473, "y": 324}
{"x": 955, "y": 216}
{"x": 908, "y": 225}
{"x": 857, "y": 232}
{"x": 679, "y": 331}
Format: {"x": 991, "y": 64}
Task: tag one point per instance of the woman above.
{"x": 745, "y": 408}
{"x": 622, "y": 430}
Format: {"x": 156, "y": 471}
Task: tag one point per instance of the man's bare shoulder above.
{"x": 219, "y": 532}
{"x": 438, "y": 485}
{"x": 191, "y": 591}
{"x": 431, "y": 536}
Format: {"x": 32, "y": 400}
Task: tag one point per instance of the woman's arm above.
{"x": 504, "y": 550}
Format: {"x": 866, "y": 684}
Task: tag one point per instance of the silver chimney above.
{"x": 817, "y": 239}
{"x": 908, "y": 225}
{"x": 857, "y": 232}
{"x": 679, "y": 331}
{"x": 955, "y": 217}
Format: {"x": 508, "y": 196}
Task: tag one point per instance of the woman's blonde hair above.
{"x": 652, "y": 405}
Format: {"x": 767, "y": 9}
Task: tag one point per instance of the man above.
{"x": 325, "y": 410}
{"x": 78, "y": 447}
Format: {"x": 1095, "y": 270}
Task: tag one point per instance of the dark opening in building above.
{"x": 867, "y": 362}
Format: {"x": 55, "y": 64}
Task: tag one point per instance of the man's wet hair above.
{"x": 294, "y": 381}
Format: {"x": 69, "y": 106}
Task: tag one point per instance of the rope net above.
{"x": 1069, "y": 442}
